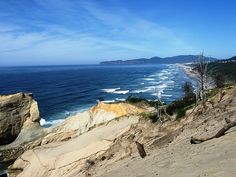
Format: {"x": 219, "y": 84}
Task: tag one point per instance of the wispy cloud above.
{"x": 82, "y": 32}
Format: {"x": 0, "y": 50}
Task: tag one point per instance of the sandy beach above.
{"x": 188, "y": 69}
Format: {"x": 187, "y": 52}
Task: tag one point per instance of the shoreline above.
{"x": 188, "y": 70}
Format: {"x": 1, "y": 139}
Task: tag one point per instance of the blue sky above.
{"x": 48, "y": 32}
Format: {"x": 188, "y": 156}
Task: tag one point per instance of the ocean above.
{"x": 62, "y": 91}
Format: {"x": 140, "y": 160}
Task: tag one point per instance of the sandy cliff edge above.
{"x": 108, "y": 149}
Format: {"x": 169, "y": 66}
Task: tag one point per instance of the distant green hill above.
{"x": 227, "y": 68}
{"x": 232, "y": 59}
{"x": 157, "y": 60}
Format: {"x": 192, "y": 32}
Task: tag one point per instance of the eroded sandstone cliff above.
{"x": 33, "y": 135}
{"x": 16, "y": 111}
{"x": 109, "y": 149}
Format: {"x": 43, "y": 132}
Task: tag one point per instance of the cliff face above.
{"x": 101, "y": 113}
{"x": 78, "y": 137}
{"x": 32, "y": 134}
{"x": 16, "y": 111}
{"x": 109, "y": 149}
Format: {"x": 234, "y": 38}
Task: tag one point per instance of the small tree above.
{"x": 188, "y": 89}
{"x": 158, "y": 105}
{"x": 202, "y": 72}
{"x": 160, "y": 108}
{"x": 219, "y": 81}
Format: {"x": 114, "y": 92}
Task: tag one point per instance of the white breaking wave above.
{"x": 149, "y": 79}
{"x": 67, "y": 114}
{"x": 164, "y": 78}
{"x": 141, "y": 90}
{"x": 120, "y": 99}
{"x": 109, "y": 101}
{"x": 121, "y": 92}
{"x": 166, "y": 95}
{"x": 159, "y": 89}
{"x": 43, "y": 122}
{"x": 116, "y": 91}
{"x": 162, "y": 86}
{"x": 113, "y": 101}
{"x": 160, "y": 74}
{"x": 155, "y": 82}
{"x": 110, "y": 90}
{"x": 154, "y": 75}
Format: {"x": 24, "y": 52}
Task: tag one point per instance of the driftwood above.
{"x": 221, "y": 132}
{"x": 141, "y": 150}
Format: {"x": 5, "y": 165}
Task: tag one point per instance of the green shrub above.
{"x": 136, "y": 100}
{"x": 149, "y": 116}
{"x": 212, "y": 92}
{"x": 181, "y": 113}
{"x": 177, "y": 105}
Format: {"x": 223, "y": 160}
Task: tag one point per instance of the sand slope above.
{"x": 215, "y": 158}
{"x": 108, "y": 150}
{"x": 59, "y": 159}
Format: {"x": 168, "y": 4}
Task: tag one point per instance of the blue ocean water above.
{"x": 66, "y": 90}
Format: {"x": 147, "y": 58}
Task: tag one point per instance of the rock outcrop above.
{"x": 107, "y": 147}
{"x": 68, "y": 158}
{"x": 19, "y": 124}
{"x": 33, "y": 135}
{"x": 82, "y": 122}
{"x": 16, "y": 111}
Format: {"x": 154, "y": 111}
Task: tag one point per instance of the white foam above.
{"x": 121, "y": 92}
{"x": 113, "y": 101}
{"x": 164, "y": 78}
{"x": 165, "y": 71}
{"x": 42, "y": 121}
{"x": 159, "y": 89}
{"x": 150, "y": 87}
{"x": 160, "y": 74}
{"x": 158, "y": 93}
{"x": 115, "y": 90}
{"x": 154, "y": 75}
{"x": 120, "y": 99}
{"x": 67, "y": 113}
{"x": 155, "y": 83}
{"x": 166, "y": 95}
{"x": 169, "y": 82}
{"x": 54, "y": 122}
{"x": 161, "y": 86}
{"x": 149, "y": 79}
{"x": 109, "y": 101}
{"x": 110, "y": 90}
{"x": 141, "y": 90}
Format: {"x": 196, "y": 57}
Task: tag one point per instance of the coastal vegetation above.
{"x": 225, "y": 69}
{"x": 221, "y": 73}
{"x": 177, "y": 107}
